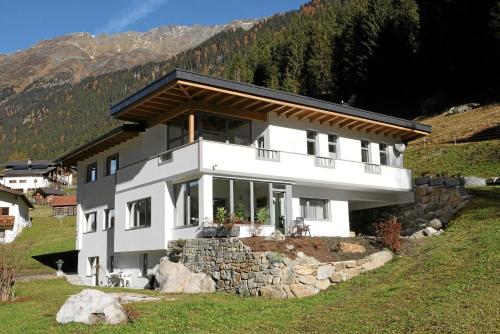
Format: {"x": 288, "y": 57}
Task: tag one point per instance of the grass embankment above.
{"x": 480, "y": 159}
{"x": 477, "y": 152}
{"x": 47, "y": 235}
{"x": 449, "y": 283}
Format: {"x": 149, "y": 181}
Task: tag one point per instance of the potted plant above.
{"x": 261, "y": 218}
{"x": 225, "y": 223}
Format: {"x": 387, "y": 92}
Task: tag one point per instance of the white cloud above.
{"x": 133, "y": 12}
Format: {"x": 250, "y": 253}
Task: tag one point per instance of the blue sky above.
{"x": 26, "y": 22}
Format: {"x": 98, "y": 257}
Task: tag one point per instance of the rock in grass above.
{"x": 436, "y": 224}
{"x": 91, "y": 306}
{"x": 174, "y": 277}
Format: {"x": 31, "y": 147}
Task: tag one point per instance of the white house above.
{"x": 197, "y": 143}
{"x": 14, "y": 213}
{"x": 28, "y": 175}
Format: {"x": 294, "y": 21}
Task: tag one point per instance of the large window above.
{"x": 241, "y": 193}
{"x": 177, "y": 133}
{"x": 311, "y": 142}
{"x": 210, "y": 127}
{"x": 314, "y": 209}
{"x": 261, "y": 195}
{"x": 187, "y": 207}
{"x": 90, "y": 222}
{"x": 112, "y": 164}
{"x": 109, "y": 218}
{"x": 333, "y": 146}
{"x": 223, "y": 129}
{"x": 221, "y": 194}
{"x": 383, "y": 154}
{"x": 241, "y": 198}
{"x": 365, "y": 153}
{"x": 139, "y": 213}
{"x": 92, "y": 172}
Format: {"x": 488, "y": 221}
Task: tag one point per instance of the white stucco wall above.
{"x": 19, "y": 210}
{"x": 30, "y": 182}
{"x": 142, "y": 174}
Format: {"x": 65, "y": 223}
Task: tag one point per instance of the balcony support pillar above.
{"x": 191, "y": 126}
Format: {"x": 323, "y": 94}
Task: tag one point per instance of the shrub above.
{"x": 11, "y": 262}
{"x": 261, "y": 217}
{"x": 389, "y": 231}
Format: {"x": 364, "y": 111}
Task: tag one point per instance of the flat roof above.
{"x": 257, "y": 91}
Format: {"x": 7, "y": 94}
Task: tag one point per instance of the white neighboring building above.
{"x": 28, "y": 175}
{"x": 198, "y": 143}
{"x": 14, "y": 213}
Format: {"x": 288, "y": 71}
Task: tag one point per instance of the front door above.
{"x": 279, "y": 203}
{"x": 94, "y": 265}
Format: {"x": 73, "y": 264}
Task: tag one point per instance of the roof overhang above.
{"x": 106, "y": 141}
{"x": 17, "y": 193}
{"x": 182, "y": 91}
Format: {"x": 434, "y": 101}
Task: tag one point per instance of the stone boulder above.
{"x": 174, "y": 277}
{"x": 275, "y": 236}
{"x": 91, "y": 306}
{"x": 436, "y": 224}
{"x": 428, "y": 231}
{"x": 303, "y": 290}
{"x": 377, "y": 260}
{"x": 348, "y": 247}
{"x": 462, "y": 108}
{"x": 273, "y": 292}
{"x": 325, "y": 271}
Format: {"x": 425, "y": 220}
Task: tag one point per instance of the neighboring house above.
{"x": 28, "y": 175}
{"x": 198, "y": 143}
{"x": 14, "y": 213}
{"x": 64, "y": 206}
{"x": 45, "y": 195}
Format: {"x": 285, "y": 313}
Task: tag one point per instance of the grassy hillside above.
{"x": 446, "y": 284}
{"x": 47, "y": 235}
{"x": 477, "y": 148}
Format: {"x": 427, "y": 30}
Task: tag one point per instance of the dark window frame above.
{"x": 148, "y": 216}
{"x": 313, "y": 141}
{"x": 365, "y": 149}
{"x": 90, "y": 167}
{"x": 107, "y": 170}
{"x": 383, "y": 153}
{"x": 87, "y": 230}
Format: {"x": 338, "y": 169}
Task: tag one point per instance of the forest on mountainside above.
{"x": 398, "y": 57}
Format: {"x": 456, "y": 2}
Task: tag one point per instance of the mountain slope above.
{"x": 73, "y": 57}
{"x": 374, "y": 54}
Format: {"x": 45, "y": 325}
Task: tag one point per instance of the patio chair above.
{"x": 299, "y": 228}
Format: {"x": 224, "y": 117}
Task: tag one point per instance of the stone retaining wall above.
{"x": 236, "y": 269}
{"x": 436, "y": 197}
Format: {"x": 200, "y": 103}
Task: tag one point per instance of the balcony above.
{"x": 247, "y": 161}
{"x": 289, "y": 166}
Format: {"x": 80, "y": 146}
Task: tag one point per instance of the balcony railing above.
{"x": 324, "y": 162}
{"x": 266, "y": 154}
{"x": 372, "y": 168}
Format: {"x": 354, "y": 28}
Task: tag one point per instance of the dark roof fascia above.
{"x": 27, "y": 172}
{"x": 27, "y": 163}
{"x": 180, "y": 74}
{"x": 122, "y": 128}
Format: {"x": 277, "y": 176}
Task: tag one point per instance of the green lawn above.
{"x": 46, "y": 235}
{"x": 448, "y": 284}
{"x": 470, "y": 159}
